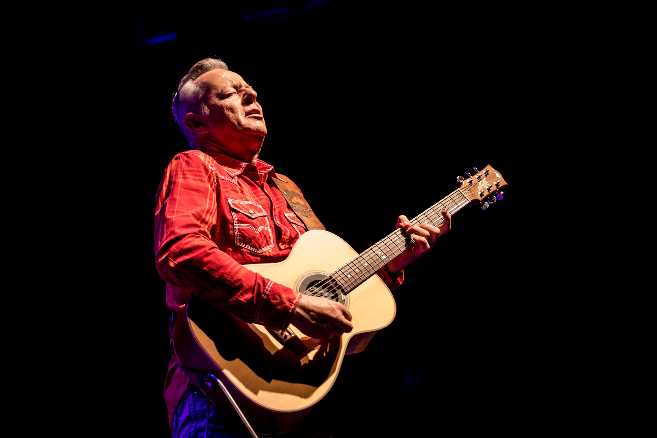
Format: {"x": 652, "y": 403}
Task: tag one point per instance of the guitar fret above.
{"x": 352, "y": 274}
{"x": 393, "y": 251}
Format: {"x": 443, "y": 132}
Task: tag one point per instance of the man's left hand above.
{"x": 422, "y": 238}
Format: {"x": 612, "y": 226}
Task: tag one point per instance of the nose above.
{"x": 249, "y": 96}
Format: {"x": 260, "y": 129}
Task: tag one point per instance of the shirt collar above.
{"x": 235, "y": 167}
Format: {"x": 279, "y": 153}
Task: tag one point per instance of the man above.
{"x": 219, "y": 208}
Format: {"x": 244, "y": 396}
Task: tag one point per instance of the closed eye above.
{"x": 226, "y": 94}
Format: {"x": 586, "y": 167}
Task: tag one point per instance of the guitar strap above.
{"x": 297, "y": 202}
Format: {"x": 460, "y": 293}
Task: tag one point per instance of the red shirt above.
{"x": 214, "y": 213}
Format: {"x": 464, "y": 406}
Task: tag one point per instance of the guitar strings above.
{"x": 430, "y": 214}
{"x": 334, "y": 290}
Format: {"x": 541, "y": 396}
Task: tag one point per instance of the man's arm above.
{"x": 186, "y": 256}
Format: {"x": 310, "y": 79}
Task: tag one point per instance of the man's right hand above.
{"x": 320, "y": 317}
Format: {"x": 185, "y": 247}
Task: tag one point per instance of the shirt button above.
{"x": 251, "y": 211}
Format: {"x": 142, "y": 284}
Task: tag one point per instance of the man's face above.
{"x": 235, "y": 118}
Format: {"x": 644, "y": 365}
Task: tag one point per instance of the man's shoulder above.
{"x": 194, "y": 157}
{"x": 191, "y": 154}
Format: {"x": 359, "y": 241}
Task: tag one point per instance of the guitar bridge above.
{"x": 281, "y": 336}
{"x": 289, "y": 339}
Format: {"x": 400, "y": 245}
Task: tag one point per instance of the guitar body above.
{"x": 284, "y": 375}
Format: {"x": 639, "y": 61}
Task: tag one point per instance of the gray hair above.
{"x": 189, "y": 94}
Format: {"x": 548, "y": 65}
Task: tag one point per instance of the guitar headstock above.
{"x": 483, "y": 185}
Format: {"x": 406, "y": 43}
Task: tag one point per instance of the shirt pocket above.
{"x": 297, "y": 223}
{"x": 251, "y": 226}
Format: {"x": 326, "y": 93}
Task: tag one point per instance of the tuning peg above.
{"x": 468, "y": 174}
{"x": 492, "y": 199}
{"x": 475, "y": 170}
{"x": 500, "y": 196}
{"x": 485, "y": 205}
{"x": 460, "y": 179}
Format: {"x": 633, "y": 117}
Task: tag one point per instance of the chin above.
{"x": 258, "y": 133}
{"x": 260, "y": 130}
{"x": 256, "y": 125}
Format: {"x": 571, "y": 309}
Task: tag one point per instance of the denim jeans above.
{"x": 197, "y": 417}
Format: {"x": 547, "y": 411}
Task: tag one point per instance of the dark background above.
{"x": 373, "y": 110}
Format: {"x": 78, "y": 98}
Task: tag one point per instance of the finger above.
{"x": 406, "y": 229}
{"x": 423, "y": 241}
{"x": 347, "y": 326}
{"x": 434, "y": 231}
{"x": 346, "y": 313}
{"x": 342, "y": 310}
{"x": 402, "y": 221}
{"x": 448, "y": 219}
{"x": 344, "y": 317}
{"x": 341, "y": 325}
{"x": 417, "y": 229}
{"x": 430, "y": 228}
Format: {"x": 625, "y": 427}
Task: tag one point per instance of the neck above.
{"x": 240, "y": 152}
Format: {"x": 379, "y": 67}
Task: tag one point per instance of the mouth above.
{"x": 254, "y": 114}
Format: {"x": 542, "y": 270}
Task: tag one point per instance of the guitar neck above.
{"x": 378, "y": 255}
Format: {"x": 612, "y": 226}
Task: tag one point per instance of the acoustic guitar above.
{"x": 278, "y": 375}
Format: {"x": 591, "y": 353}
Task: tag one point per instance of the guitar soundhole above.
{"x": 324, "y": 286}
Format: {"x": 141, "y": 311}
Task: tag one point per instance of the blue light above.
{"x": 272, "y": 12}
{"x": 159, "y": 39}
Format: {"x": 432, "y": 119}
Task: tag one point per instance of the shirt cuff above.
{"x": 392, "y": 279}
{"x": 278, "y": 304}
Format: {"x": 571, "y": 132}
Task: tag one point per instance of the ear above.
{"x": 195, "y": 123}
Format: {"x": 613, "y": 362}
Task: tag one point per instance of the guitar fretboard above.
{"x": 351, "y": 275}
